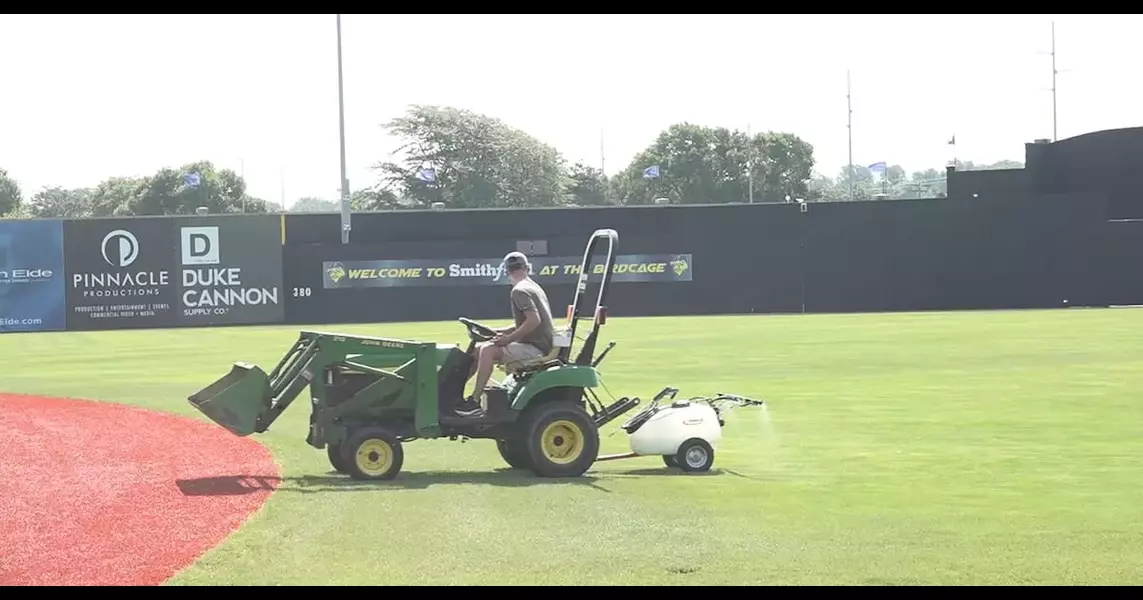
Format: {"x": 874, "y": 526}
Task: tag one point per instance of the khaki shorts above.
{"x": 520, "y": 352}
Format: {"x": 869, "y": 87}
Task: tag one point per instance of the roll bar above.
{"x": 600, "y": 313}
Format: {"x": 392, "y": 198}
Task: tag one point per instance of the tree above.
{"x": 897, "y": 184}
{"x": 114, "y": 197}
{"x": 54, "y": 202}
{"x": 374, "y": 198}
{"x": 587, "y": 186}
{"x": 172, "y": 192}
{"x": 10, "y": 195}
{"x": 311, "y": 204}
{"x": 705, "y": 165}
{"x": 477, "y": 161}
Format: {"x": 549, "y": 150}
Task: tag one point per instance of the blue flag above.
{"x": 192, "y": 179}
{"x": 651, "y": 172}
{"x": 427, "y": 175}
{"x": 877, "y": 167}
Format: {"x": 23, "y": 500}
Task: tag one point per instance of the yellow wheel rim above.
{"x": 562, "y": 442}
{"x": 374, "y": 457}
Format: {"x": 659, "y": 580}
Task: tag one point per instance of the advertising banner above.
{"x": 120, "y": 273}
{"x": 32, "y": 276}
{"x": 230, "y": 270}
{"x": 487, "y": 271}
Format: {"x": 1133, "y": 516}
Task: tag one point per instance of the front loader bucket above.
{"x": 237, "y": 399}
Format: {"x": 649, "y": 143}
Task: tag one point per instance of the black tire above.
{"x": 333, "y": 451}
{"x": 513, "y": 453}
{"x": 695, "y": 456}
{"x": 372, "y": 453}
{"x": 553, "y": 422}
{"x": 670, "y": 461}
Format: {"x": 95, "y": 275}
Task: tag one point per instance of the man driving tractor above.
{"x": 531, "y": 337}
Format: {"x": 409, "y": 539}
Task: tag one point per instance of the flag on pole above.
{"x": 427, "y": 175}
{"x": 192, "y": 179}
{"x": 952, "y": 140}
{"x": 877, "y": 167}
{"x": 651, "y": 172}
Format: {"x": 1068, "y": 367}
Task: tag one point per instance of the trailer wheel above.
{"x": 513, "y": 453}
{"x": 560, "y": 439}
{"x": 695, "y": 456}
{"x": 372, "y": 453}
{"x": 335, "y": 458}
{"x": 669, "y": 460}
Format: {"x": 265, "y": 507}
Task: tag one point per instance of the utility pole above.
{"x": 345, "y": 214}
{"x": 849, "y": 126}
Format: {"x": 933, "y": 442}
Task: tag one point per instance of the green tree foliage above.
{"x": 897, "y": 184}
{"x": 588, "y": 186}
{"x": 164, "y": 193}
{"x": 479, "y": 162}
{"x": 10, "y": 195}
{"x": 712, "y": 165}
{"x": 58, "y": 203}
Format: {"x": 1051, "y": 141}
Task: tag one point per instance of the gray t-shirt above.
{"x": 528, "y": 295}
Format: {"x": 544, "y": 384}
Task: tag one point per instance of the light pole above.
{"x": 345, "y": 214}
{"x": 1054, "y": 73}
{"x": 849, "y": 128}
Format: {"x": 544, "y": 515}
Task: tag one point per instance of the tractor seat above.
{"x": 533, "y": 364}
{"x": 561, "y": 340}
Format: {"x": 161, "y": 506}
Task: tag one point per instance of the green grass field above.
{"x": 965, "y": 448}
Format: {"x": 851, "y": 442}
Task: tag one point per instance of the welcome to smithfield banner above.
{"x": 487, "y": 271}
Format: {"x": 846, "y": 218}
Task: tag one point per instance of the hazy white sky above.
{"x": 88, "y": 97}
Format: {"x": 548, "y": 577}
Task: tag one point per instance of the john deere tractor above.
{"x": 370, "y": 395}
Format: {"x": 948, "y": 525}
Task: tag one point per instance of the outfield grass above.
{"x": 969, "y": 448}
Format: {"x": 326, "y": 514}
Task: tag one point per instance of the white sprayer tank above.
{"x": 668, "y": 428}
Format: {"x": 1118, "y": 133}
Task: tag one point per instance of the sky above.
{"x": 87, "y": 97}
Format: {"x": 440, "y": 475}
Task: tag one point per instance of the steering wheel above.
{"x": 476, "y": 331}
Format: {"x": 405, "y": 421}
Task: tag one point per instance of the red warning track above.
{"x": 102, "y": 494}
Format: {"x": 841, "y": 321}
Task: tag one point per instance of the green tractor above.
{"x": 369, "y": 395}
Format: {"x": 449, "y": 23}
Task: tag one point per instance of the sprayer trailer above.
{"x": 370, "y": 395}
{"x": 685, "y": 433}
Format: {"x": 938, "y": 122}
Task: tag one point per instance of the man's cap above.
{"x": 515, "y": 260}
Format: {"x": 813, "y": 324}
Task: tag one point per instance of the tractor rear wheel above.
{"x": 513, "y": 453}
{"x": 372, "y": 453}
{"x": 560, "y": 439}
{"x": 333, "y": 451}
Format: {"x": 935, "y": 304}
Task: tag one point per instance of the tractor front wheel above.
{"x": 513, "y": 453}
{"x": 333, "y": 451}
{"x": 560, "y": 439}
{"x": 372, "y": 453}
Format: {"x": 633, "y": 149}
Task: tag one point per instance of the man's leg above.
{"x": 486, "y": 357}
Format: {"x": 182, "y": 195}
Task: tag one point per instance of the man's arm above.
{"x": 531, "y": 321}
{"x": 523, "y": 303}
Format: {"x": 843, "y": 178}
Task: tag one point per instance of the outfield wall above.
{"x": 1033, "y": 251}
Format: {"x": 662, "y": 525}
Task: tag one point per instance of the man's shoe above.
{"x": 469, "y": 408}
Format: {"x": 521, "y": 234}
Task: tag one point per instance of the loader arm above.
{"x": 247, "y": 400}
